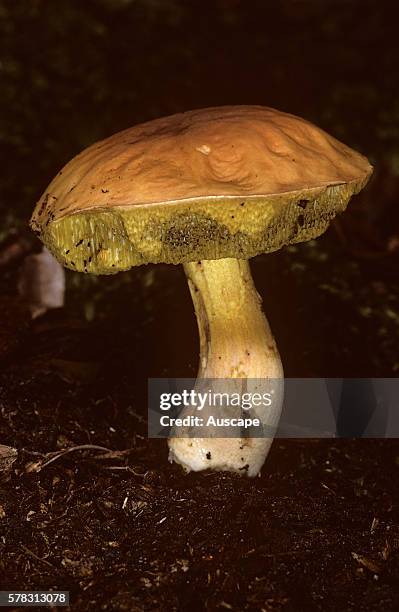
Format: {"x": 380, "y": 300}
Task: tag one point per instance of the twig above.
{"x": 37, "y": 467}
{"x": 126, "y": 468}
{"x": 32, "y": 554}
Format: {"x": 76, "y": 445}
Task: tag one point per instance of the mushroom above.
{"x": 208, "y": 189}
{"x": 41, "y": 283}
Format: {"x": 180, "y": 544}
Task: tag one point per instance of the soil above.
{"x": 122, "y": 529}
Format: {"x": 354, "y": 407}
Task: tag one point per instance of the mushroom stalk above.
{"x": 235, "y": 343}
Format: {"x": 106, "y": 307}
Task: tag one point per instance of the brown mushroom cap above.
{"x": 230, "y": 181}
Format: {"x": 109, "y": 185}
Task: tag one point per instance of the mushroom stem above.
{"x": 235, "y": 343}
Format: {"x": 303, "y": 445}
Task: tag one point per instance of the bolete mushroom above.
{"x": 209, "y": 189}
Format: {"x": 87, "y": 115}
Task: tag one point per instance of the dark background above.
{"x": 74, "y": 72}
{"x": 320, "y": 529}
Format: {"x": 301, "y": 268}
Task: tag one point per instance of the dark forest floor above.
{"x": 124, "y": 529}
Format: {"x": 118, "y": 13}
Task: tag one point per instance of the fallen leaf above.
{"x": 8, "y": 456}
